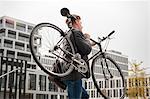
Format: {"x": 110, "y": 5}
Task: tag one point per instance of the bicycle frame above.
{"x": 100, "y": 52}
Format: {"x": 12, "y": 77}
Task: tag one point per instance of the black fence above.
{"x": 12, "y": 78}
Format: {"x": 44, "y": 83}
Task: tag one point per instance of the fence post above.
{"x": 5, "y": 81}
{"x": 16, "y": 82}
{"x": 25, "y": 72}
{"x": 1, "y": 67}
{"x": 11, "y": 78}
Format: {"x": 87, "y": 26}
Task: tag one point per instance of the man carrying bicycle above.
{"x": 83, "y": 47}
{"x": 71, "y": 54}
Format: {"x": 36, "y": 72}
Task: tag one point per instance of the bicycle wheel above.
{"x": 46, "y": 44}
{"x": 108, "y": 78}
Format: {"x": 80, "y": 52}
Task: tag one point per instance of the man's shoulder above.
{"x": 75, "y": 30}
{"x": 77, "y": 33}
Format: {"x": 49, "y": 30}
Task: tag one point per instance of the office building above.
{"x": 14, "y": 43}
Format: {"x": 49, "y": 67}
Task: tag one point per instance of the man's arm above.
{"x": 87, "y": 37}
{"x": 82, "y": 44}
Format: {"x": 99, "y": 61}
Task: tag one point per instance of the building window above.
{"x": 111, "y": 84}
{"x": 115, "y": 93}
{"x": 2, "y": 32}
{"x": 30, "y": 29}
{"x": 0, "y": 45}
{"x": 42, "y": 82}
{"x": 85, "y": 85}
{"x": 92, "y": 94}
{"x": 147, "y": 92}
{"x": 20, "y": 26}
{"x": 89, "y": 86}
{"x": 23, "y": 81}
{"x": 8, "y": 43}
{"x": 19, "y": 46}
{"x": 23, "y": 37}
{"x": 32, "y": 82}
{"x": 52, "y": 87}
{"x": 44, "y": 60}
{"x": 100, "y": 84}
{"x": 11, "y": 54}
{"x": 110, "y": 93}
{"x": 130, "y": 82}
{"x": 53, "y": 97}
{"x": 12, "y": 34}
{"x": 97, "y": 94}
{"x": 28, "y": 48}
{"x": 62, "y": 97}
{"x": 149, "y": 81}
{"x": 1, "y": 22}
{"x": 24, "y": 56}
{"x": 9, "y": 23}
{"x": 42, "y": 96}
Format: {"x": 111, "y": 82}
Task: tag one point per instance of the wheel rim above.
{"x": 45, "y": 46}
{"x": 99, "y": 87}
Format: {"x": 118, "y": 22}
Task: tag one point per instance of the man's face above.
{"x": 79, "y": 24}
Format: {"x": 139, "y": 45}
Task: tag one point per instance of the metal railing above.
{"x": 18, "y": 69}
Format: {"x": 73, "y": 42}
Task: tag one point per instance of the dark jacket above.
{"x": 82, "y": 47}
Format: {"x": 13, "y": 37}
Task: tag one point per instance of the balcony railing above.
{"x": 12, "y": 36}
{"x": 9, "y": 25}
{"x": 2, "y": 34}
{"x": 24, "y": 58}
{"x": 10, "y": 56}
{"x": 19, "y": 48}
{"x": 20, "y": 28}
{"x": 8, "y": 45}
{"x": 23, "y": 39}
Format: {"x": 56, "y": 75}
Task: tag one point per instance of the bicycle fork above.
{"x": 104, "y": 63}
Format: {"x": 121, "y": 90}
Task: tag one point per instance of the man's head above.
{"x": 76, "y": 22}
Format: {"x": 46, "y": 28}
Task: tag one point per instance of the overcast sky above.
{"x": 129, "y": 18}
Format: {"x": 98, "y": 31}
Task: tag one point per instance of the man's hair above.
{"x": 75, "y": 17}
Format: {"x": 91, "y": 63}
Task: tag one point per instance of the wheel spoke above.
{"x": 43, "y": 39}
{"x": 103, "y": 68}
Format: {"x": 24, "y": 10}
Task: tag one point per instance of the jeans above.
{"x": 75, "y": 89}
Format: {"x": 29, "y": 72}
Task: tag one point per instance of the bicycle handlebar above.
{"x": 111, "y": 33}
{"x": 104, "y": 38}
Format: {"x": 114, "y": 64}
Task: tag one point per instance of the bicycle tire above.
{"x": 39, "y": 34}
{"x": 99, "y": 88}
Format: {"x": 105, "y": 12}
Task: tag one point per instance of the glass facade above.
{"x": 14, "y": 38}
{"x": 41, "y": 96}
{"x": 32, "y": 82}
{"x": 42, "y": 82}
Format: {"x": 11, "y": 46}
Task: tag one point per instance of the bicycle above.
{"x": 40, "y": 45}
